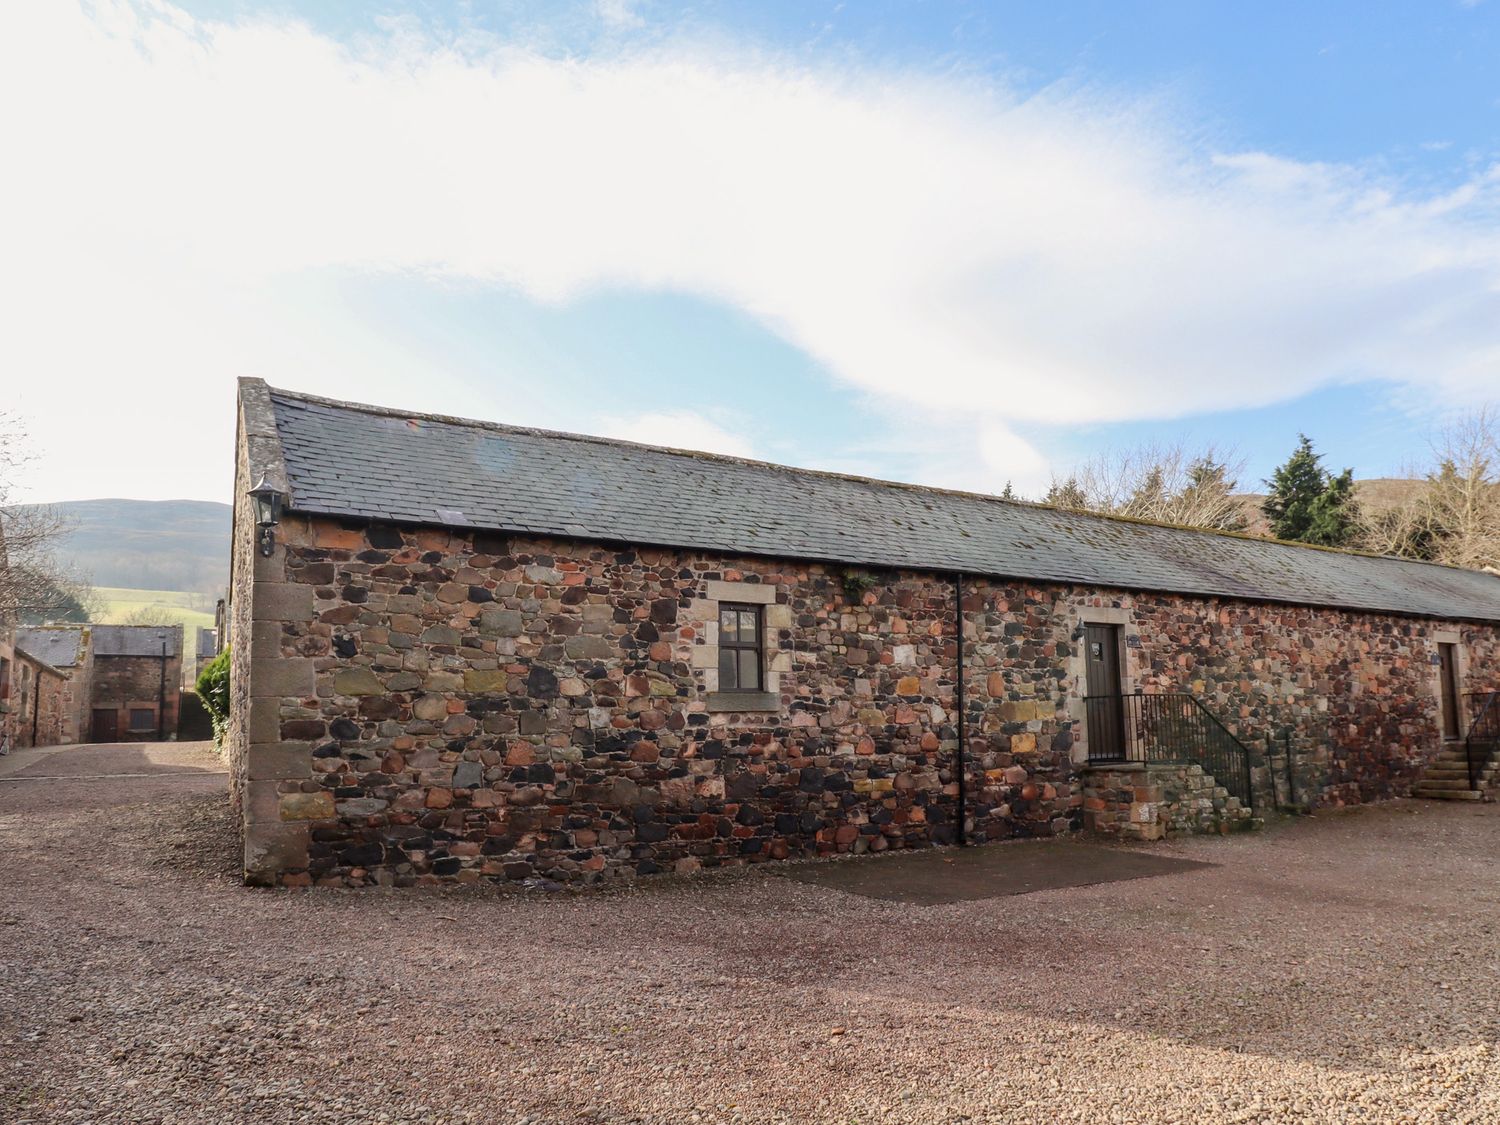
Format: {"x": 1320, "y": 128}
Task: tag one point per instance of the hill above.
{"x": 173, "y": 607}
{"x": 180, "y": 545}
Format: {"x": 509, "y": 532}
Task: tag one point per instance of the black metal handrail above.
{"x": 1483, "y": 737}
{"x": 1170, "y": 727}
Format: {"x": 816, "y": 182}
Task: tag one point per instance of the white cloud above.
{"x": 935, "y": 243}
{"x": 677, "y": 429}
{"x": 618, "y": 13}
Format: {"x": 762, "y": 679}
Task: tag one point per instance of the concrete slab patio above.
{"x": 946, "y": 875}
{"x": 1342, "y": 968}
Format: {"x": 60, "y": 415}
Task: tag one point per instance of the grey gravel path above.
{"x": 1342, "y": 968}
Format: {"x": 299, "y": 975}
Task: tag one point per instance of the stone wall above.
{"x": 76, "y": 686}
{"x": 264, "y": 614}
{"x": 73, "y": 684}
{"x": 1148, "y": 802}
{"x": 9, "y": 673}
{"x": 424, "y": 705}
{"x": 39, "y": 704}
{"x": 138, "y": 683}
{"x": 1357, "y": 692}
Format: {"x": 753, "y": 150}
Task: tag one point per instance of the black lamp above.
{"x": 267, "y": 499}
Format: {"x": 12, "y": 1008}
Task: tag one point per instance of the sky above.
{"x": 955, "y": 243}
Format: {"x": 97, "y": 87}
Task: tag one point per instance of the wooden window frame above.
{"x": 757, "y": 646}
{"x": 132, "y": 712}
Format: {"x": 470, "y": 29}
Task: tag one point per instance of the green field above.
{"x": 178, "y": 607}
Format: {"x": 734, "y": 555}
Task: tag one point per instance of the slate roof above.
{"x": 59, "y": 647}
{"x": 344, "y": 459}
{"x": 135, "y": 640}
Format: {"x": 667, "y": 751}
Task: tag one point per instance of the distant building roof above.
{"x": 58, "y": 646}
{"x": 207, "y": 642}
{"x": 136, "y": 640}
{"x": 344, "y": 459}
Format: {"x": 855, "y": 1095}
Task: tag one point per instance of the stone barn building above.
{"x": 39, "y": 704}
{"x": 8, "y": 660}
{"x": 65, "y": 649}
{"x": 466, "y": 651}
{"x": 120, "y": 683}
{"x": 136, "y": 684}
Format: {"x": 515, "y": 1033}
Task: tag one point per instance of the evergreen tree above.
{"x": 1067, "y": 494}
{"x": 1307, "y": 504}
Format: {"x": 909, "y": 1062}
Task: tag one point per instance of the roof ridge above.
{"x": 826, "y": 474}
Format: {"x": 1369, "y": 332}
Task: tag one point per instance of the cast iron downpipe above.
{"x": 161, "y": 695}
{"x": 36, "y": 704}
{"x": 958, "y": 699}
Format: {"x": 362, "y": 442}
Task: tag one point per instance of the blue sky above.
{"x": 956, "y": 243}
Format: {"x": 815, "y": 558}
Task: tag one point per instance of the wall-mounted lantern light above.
{"x": 267, "y": 499}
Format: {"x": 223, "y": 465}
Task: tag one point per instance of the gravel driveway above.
{"x": 1339, "y": 968}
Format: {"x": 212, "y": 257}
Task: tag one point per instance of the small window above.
{"x": 142, "y": 719}
{"x": 740, "y": 648}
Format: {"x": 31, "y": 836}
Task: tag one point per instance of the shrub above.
{"x": 213, "y": 689}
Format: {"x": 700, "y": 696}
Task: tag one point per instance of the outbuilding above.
{"x": 116, "y": 683}
{"x": 467, "y": 651}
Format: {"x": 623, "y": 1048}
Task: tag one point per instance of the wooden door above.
{"x": 1449, "y": 687}
{"x": 106, "y": 726}
{"x": 1105, "y": 706}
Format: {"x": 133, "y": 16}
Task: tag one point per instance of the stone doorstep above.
{"x": 1450, "y": 794}
{"x": 1460, "y": 782}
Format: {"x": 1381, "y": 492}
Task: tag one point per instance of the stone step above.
{"x": 1447, "y": 794}
{"x": 1458, "y": 771}
{"x": 1461, "y": 764}
{"x": 1444, "y": 782}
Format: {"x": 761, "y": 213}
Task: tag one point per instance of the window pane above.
{"x": 749, "y": 670}
{"x": 727, "y": 625}
{"x": 747, "y": 626}
{"x": 728, "y": 681}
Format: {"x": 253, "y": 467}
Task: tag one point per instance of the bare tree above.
{"x": 1454, "y": 517}
{"x": 152, "y": 615}
{"x": 1162, "y": 483}
{"x": 32, "y": 586}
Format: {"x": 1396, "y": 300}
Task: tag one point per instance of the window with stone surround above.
{"x": 740, "y": 658}
{"x": 142, "y": 719}
{"x": 741, "y": 649}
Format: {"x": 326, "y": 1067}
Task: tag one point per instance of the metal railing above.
{"x": 1169, "y": 728}
{"x": 1483, "y": 739}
